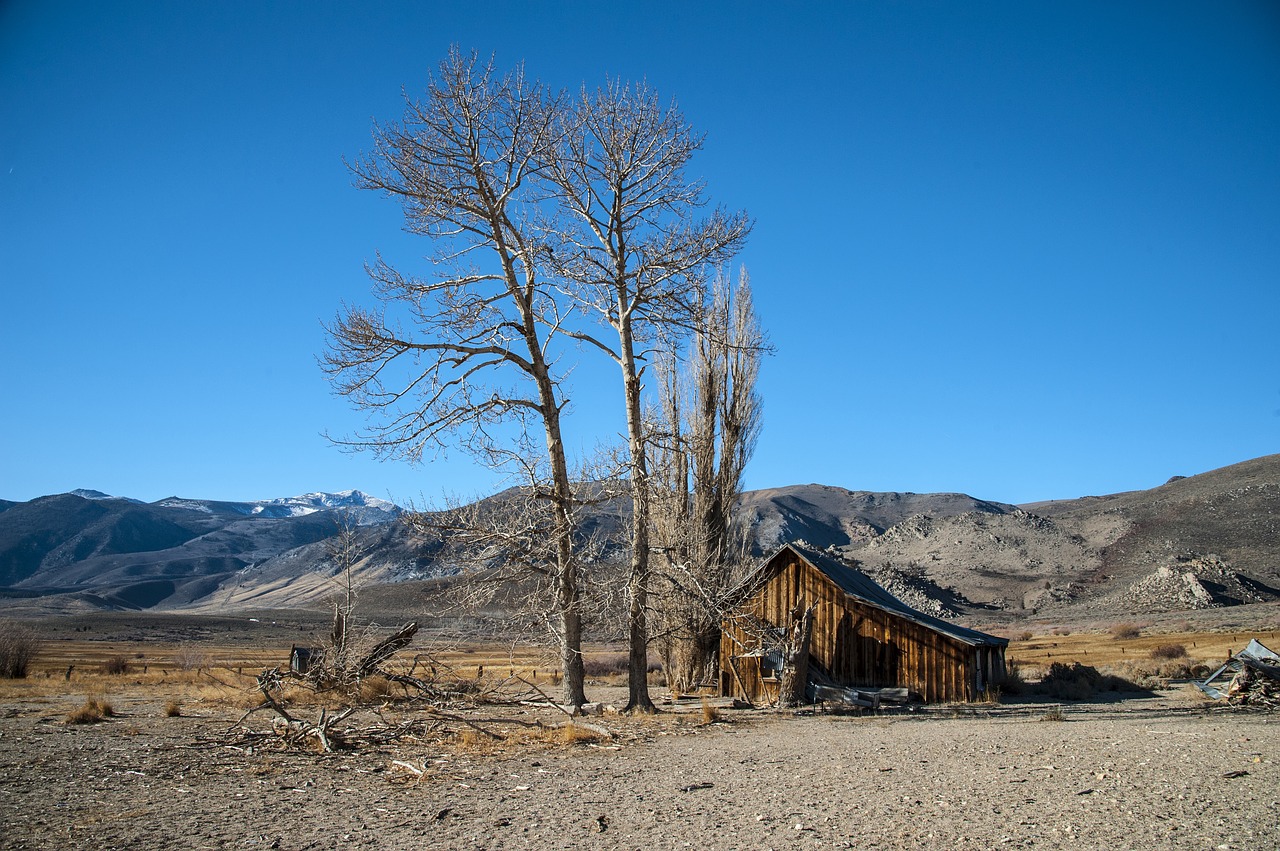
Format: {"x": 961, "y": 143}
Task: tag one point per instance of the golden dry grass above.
{"x": 1101, "y": 648}
{"x": 574, "y": 734}
{"x": 93, "y": 710}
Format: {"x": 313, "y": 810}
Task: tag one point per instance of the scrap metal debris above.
{"x": 1249, "y": 678}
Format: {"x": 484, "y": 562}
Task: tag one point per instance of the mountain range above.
{"x": 1200, "y": 542}
{"x": 93, "y": 549}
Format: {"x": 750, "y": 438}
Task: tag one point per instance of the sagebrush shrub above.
{"x": 1013, "y": 681}
{"x": 191, "y": 659}
{"x": 1080, "y": 682}
{"x": 605, "y": 666}
{"x": 1169, "y": 651}
{"x": 1125, "y": 631}
{"x": 18, "y": 646}
{"x": 115, "y": 665}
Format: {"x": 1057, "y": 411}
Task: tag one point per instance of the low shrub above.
{"x": 1080, "y": 682}
{"x": 116, "y": 665}
{"x": 1155, "y": 673}
{"x": 1125, "y": 631}
{"x": 191, "y": 659}
{"x": 1169, "y": 651}
{"x": 605, "y": 666}
{"x": 1013, "y": 681}
{"x": 18, "y": 645}
{"x": 1025, "y": 636}
{"x": 173, "y": 709}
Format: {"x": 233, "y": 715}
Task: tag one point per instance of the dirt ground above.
{"x": 1157, "y": 773}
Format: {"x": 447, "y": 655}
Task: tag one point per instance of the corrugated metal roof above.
{"x": 1255, "y": 655}
{"x": 857, "y": 584}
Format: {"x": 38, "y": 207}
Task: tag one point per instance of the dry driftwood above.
{"x": 385, "y": 649}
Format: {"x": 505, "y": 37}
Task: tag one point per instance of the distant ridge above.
{"x": 1198, "y": 542}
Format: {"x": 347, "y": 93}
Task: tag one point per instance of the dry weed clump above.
{"x": 572, "y": 734}
{"x": 93, "y": 711}
{"x": 173, "y": 709}
{"x": 1054, "y": 713}
{"x": 376, "y": 690}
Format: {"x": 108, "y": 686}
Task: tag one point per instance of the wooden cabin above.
{"x": 301, "y": 659}
{"x": 862, "y": 635}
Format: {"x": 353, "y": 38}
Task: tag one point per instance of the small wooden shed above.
{"x": 862, "y": 636}
{"x": 302, "y": 658}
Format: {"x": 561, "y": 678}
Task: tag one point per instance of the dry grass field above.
{"x": 1106, "y": 648}
{"x": 214, "y": 661}
{"x": 161, "y": 754}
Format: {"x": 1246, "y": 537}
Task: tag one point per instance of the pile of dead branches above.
{"x": 430, "y": 698}
{"x": 1253, "y": 687}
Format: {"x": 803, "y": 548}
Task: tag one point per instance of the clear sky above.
{"x": 1019, "y": 250}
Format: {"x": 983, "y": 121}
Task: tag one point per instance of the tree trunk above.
{"x": 795, "y": 657}
{"x": 567, "y": 593}
{"x": 638, "y": 699}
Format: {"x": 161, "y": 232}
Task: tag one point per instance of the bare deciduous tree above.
{"x": 504, "y": 548}
{"x": 541, "y": 209}
{"x": 459, "y": 356}
{"x": 633, "y": 252}
{"x": 710, "y": 419}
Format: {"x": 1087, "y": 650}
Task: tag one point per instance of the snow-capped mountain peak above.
{"x": 308, "y": 503}
{"x": 89, "y": 493}
{"x": 361, "y": 507}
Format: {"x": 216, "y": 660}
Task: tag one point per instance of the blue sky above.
{"x": 1019, "y": 250}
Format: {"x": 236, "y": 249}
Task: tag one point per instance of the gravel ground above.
{"x": 1140, "y": 775}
